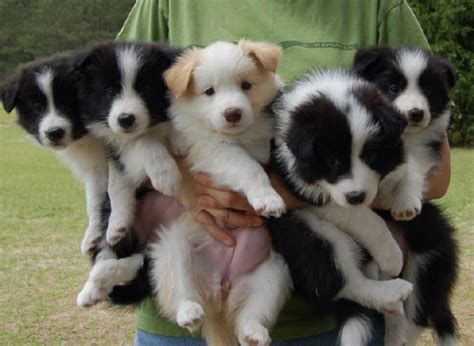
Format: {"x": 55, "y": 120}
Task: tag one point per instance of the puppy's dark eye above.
{"x": 246, "y": 85}
{"x": 110, "y": 92}
{"x": 209, "y": 92}
{"x": 394, "y": 89}
{"x": 38, "y": 108}
{"x": 332, "y": 161}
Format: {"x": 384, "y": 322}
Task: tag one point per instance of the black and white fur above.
{"x": 124, "y": 104}
{"x": 44, "y": 93}
{"x": 337, "y": 138}
{"x": 418, "y": 85}
{"x": 217, "y": 113}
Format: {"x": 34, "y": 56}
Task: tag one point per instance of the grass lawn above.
{"x": 42, "y": 219}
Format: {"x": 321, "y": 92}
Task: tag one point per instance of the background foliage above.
{"x": 449, "y": 27}
{"x": 38, "y": 28}
{"x": 35, "y": 28}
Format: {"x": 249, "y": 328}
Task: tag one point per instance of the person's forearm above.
{"x": 438, "y": 179}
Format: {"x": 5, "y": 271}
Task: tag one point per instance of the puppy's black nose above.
{"x": 355, "y": 197}
{"x": 126, "y": 120}
{"x": 233, "y": 115}
{"x": 416, "y": 115}
{"x": 55, "y": 134}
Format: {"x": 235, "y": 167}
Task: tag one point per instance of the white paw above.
{"x": 90, "y": 295}
{"x": 254, "y": 334}
{"x": 389, "y": 258}
{"x": 267, "y": 203}
{"x": 115, "y": 234}
{"x": 91, "y": 239}
{"x": 405, "y": 210}
{"x": 396, "y": 292}
{"x": 190, "y": 315}
{"x": 167, "y": 180}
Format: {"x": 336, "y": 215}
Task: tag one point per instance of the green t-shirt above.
{"x": 313, "y": 33}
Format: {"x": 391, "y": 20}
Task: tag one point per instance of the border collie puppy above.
{"x": 124, "y": 103}
{"x": 44, "y": 93}
{"x": 219, "y": 95}
{"x": 418, "y": 85}
{"x": 337, "y": 138}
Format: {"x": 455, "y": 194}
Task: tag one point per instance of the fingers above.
{"x": 225, "y": 200}
{"x": 234, "y": 219}
{"x": 217, "y": 232}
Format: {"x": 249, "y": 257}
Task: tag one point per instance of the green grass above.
{"x": 42, "y": 219}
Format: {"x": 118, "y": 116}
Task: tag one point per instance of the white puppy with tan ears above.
{"x": 217, "y": 110}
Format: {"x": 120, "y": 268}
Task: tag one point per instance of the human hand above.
{"x": 213, "y": 206}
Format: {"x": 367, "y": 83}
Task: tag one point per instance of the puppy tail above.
{"x": 216, "y": 330}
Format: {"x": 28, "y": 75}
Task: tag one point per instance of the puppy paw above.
{"x": 406, "y": 210}
{"x": 92, "y": 238}
{"x": 267, "y": 203}
{"x": 115, "y": 234}
{"x": 190, "y": 315}
{"x": 396, "y": 292}
{"x": 254, "y": 334}
{"x": 167, "y": 180}
{"x": 389, "y": 258}
{"x": 90, "y": 295}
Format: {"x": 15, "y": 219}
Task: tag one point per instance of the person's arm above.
{"x": 147, "y": 21}
{"x": 398, "y": 26}
{"x": 438, "y": 179}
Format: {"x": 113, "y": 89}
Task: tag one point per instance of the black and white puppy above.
{"x": 337, "y": 138}
{"x": 44, "y": 93}
{"x": 124, "y": 103}
{"x": 418, "y": 85}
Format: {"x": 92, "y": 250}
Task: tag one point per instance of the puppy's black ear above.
{"x": 301, "y": 136}
{"x": 392, "y": 122}
{"x": 448, "y": 72}
{"x": 368, "y": 62}
{"x": 85, "y": 60}
{"x": 10, "y": 92}
{"x": 300, "y": 143}
{"x": 81, "y": 61}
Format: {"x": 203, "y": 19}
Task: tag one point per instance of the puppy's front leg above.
{"x": 370, "y": 230}
{"x": 96, "y": 197}
{"x": 408, "y": 193}
{"x": 122, "y": 202}
{"x": 234, "y": 167}
{"x": 160, "y": 167}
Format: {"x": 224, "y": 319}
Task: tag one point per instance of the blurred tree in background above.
{"x": 449, "y": 27}
{"x": 37, "y": 28}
